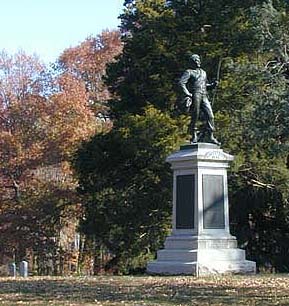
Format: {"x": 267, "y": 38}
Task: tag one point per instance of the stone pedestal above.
{"x": 200, "y": 242}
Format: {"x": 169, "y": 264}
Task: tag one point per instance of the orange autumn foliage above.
{"x": 88, "y": 61}
{"x": 70, "y": 118}
{"x": 22, "y": 105}
{"x": 36, "y": 126}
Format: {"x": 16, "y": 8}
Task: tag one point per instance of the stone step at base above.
{"x": 183, "y": 242}
{"x": 226, "y": 267}
{"x": 177, "y": 255}
{"x": 221, "y": 255}
{"x": 171, "y": 268}
{"x": 201, "y": 254}
{"x": 201, "y": 269}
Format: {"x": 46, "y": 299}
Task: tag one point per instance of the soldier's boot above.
{"x": 201, "y": 136}
{"x": 214, "y": 140}
{"x": 194, "y": 137}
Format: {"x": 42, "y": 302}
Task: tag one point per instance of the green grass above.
{"x": 146, "y": 290}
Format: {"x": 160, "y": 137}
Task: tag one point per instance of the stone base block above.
{"x": 201, "y": 268}
{"x": 226, "y": 267}
{"x": 200, "y": 256}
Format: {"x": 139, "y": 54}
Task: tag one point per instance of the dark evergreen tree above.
{"x": 126, "y": 186}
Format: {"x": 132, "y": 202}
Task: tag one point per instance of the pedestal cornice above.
{"x": 205, "y": 152}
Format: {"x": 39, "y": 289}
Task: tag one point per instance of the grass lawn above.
{"x": 146, "y": 290}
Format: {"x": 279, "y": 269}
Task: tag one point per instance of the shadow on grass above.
{"x": 138, "y": 291}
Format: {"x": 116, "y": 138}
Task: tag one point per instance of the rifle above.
{"x": 217, "y": 79}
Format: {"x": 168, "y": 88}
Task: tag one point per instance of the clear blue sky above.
{"x": 47, "y": 27}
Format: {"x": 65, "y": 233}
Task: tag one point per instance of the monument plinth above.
{"x": 200, "y": 242}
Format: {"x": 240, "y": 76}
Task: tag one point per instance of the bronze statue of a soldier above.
{"x": 194, "y": 85}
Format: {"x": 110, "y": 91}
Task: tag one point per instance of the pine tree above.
{"x": 126, "y": 187}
